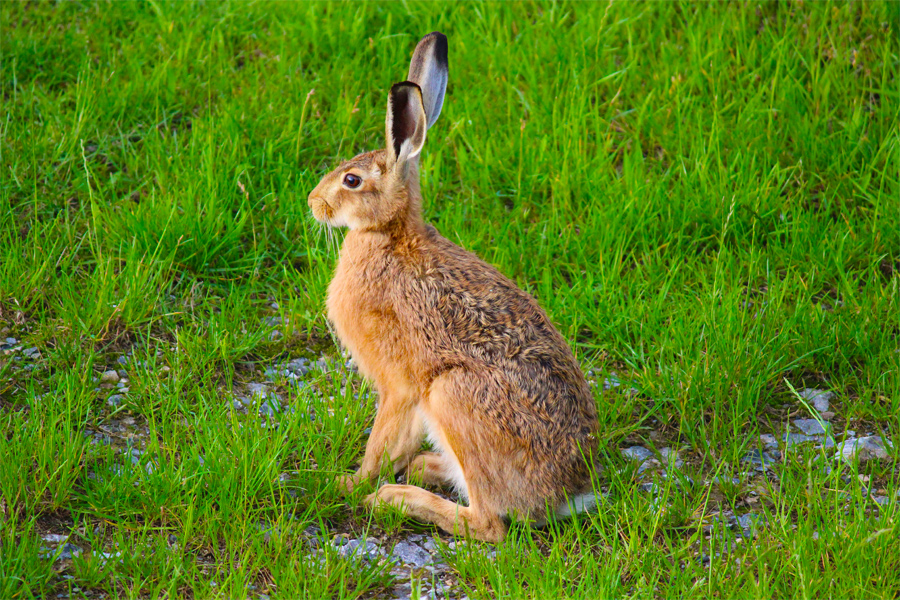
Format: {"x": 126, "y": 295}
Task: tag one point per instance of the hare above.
{"x": 458, "y": 353}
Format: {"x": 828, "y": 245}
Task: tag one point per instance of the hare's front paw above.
{"x": 387, "y": 495}
{"x": 347, "y": 483}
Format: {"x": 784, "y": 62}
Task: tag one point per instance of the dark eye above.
{"x": 352, "y": 181}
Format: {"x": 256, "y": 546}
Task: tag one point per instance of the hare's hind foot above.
{"x": 453, "y": 518}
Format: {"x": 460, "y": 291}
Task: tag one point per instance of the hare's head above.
{"x": 374, "y": 189}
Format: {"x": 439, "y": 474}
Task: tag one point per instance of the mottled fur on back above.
{"x": 456, "y": 350}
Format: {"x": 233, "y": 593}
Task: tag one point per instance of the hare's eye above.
{"x": 352, "y": 181}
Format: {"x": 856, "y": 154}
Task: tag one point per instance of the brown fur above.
{"x": 458, "y": 353}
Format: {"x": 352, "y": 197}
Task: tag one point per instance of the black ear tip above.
{"x": 438, "y": 43}
{"x": 402, "y": 89}
{"x": 440, "y": 47}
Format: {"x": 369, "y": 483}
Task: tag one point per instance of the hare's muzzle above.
{"x": 320, "y": 209}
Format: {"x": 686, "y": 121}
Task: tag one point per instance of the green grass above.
{"x": 705, "y": 199}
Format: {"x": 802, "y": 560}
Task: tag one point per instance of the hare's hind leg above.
{"x": 471, "y": 521}
{"x": 428, "y": 468}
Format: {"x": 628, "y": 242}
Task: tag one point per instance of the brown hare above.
{"x": 458, "y": 353}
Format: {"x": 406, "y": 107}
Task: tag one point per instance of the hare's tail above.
{"x": 582, "y": 503}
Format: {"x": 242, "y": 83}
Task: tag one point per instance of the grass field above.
{"x": 705, "y": 199}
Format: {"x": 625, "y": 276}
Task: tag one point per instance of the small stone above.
{"x": 109, "y": 377}
{"x": 106, "y": 556}
{"x": 275, "y": 335}
{"x": 54, "y": 538}
{"x": 411, "y": 554}
{"x": 646, "y": 465}
{"x": 768, "y": 441}
{"x": 271, "y": 321}
{"x": 115, "y": 400}
{"x": 761, "y": 459}
{"x": 749, "y": 521}
{"x": 793, "y": 439}
{"x": 670, "y": 457}
{"x": 12, "y": 341}
{"x": 611, "y": 382}
{"x": 69, "y": 551}
{"x": 865, "y": 448}
{"x": 121, "y": 384}
{"x": 820, "y": 399}
{"x": 31, "y": 352}
{"x": 297, "y": 369}
{"x": 809, "y": 426}
{"x": 363, "y": 549}
{"x": 637, "y": 453}
{"x": 269, "y": 407}
{"x": 430, "y": 545}
{"x": 727, "y": 480}
{"x": 122, "y": 373}
{"x": 257, "y": 389}
{"x": 122, "y": 360}
{"x": 827, "y": 415}
{"x": 101, "y": 438}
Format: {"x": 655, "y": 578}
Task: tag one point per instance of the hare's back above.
{"x": 476, "y": 313}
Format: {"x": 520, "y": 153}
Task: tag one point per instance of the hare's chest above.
{"x": 363, "y": 322}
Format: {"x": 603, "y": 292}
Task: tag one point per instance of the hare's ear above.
{"x": 428, "y": 69}
{"x": 405, "y": 125}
